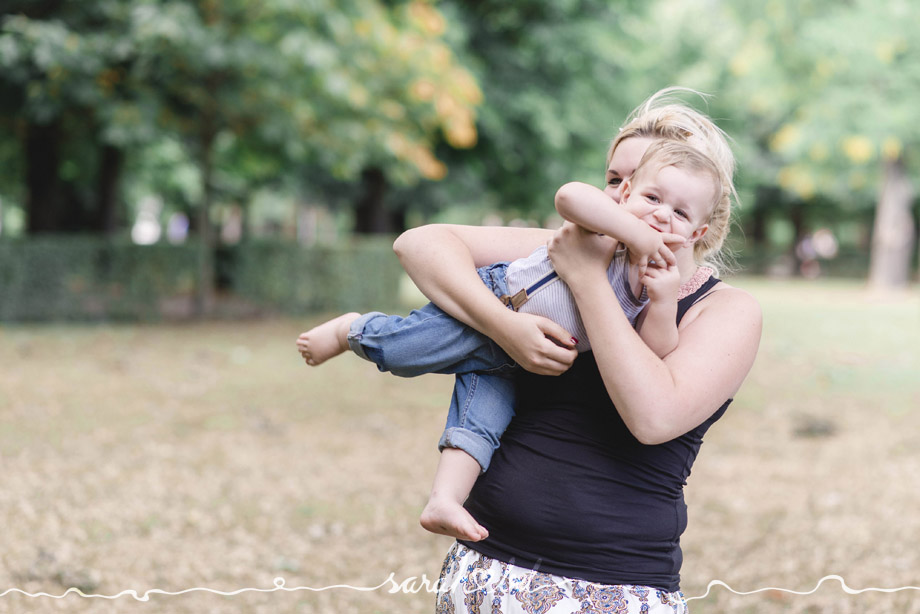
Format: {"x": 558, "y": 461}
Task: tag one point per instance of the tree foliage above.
{"x": 556, "y": 83}
{"x": 396, "y": 105}
{"x": 340, "y": 85}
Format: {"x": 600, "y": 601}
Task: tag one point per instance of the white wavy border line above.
{"x": 415, "y": 584}
{"x": 279, "y": 586}
{"x": 843, "y": 585}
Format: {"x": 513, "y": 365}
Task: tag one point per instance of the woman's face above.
{"x": 623, "y": 163}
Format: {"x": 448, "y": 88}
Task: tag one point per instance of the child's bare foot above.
{"x": 327, "y": 340}
{"x": 447, "y": 517}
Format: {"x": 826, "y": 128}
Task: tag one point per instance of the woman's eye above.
{"x": 614, "y": 182}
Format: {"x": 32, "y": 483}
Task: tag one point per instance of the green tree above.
{"x": 818, "y": 96}
{"x": 61, "y": 69}
{"x": 556, "y": 82}
{"x": 854, "y": 127}
{"x": 256, "y": 87}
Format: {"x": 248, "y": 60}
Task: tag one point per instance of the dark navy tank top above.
{"x": 571, "y": 492}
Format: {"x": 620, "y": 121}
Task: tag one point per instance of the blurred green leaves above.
{"x": 340, "y": 85}
{"x": 472, "y": 106}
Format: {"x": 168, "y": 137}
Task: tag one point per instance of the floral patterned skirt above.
{"x": 472, "y": 583}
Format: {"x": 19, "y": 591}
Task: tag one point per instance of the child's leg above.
{"x": 453, "y": 481}
{"x": 428, "y": 340}
{"x": 327, "y": 340}
{"x": 481, "y": 408}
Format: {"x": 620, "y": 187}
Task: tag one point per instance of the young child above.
{"x": 666, "y": 202}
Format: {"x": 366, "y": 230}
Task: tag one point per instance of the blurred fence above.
{"x": 95, "y": 279}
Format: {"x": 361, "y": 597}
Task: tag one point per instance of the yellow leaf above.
{"x": 824, "y": 67}
{"x": 428, "y": 18}
{"x": 818, "y": 152}
{"x": 776, "y": 10}
{"x": 422, "y": 90}
{"x": 740, "y": 64}
{"x": 358, "y": 96}
{"x": 884, "y": 51}
{"x": 891, "y": 148}
{"x": 427, "y": 164}
{"x": 461, "y": 131}
{"x": 858, "y": 149}
{"x": 785, "y": 137}
{"x": 796, "y": 180}
{"x": 392, "y": 109}
{"x": 363, "y": 28}
{"x": 445, "y": 105}
{"x": 440, "y": 58}
{"x": 465, "y": 85}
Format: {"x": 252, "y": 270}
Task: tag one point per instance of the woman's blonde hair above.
{"x": 664, "y": 116}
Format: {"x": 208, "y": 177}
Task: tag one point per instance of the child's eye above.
{"x": 652, "y": 198}
{"x": 681, "y": 213}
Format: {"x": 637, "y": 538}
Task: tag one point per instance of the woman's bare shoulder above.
{"x": 719, "y": 339}
{"x": 724, "y": 301}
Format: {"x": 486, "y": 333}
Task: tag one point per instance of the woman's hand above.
{"x": 580, "y": 256}
{"x": 537, "y": 344}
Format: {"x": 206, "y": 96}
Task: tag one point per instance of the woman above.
{"x": 583, "y": 501}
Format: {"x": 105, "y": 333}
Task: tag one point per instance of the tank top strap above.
{"x": 690, "y": 300}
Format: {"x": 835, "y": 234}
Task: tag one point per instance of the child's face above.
{"x": 672, "y": 200}
{"x": 623, "y": 163}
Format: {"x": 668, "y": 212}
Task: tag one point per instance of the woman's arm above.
{"x": 660, "y": 399}
{"x": 442, "y": 259}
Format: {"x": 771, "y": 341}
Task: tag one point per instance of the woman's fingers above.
{"x": 575, "y": 252}
{"x": 539, "y": 345}
{"x": 554, "y": 331}
{"x": 557, "y": 352}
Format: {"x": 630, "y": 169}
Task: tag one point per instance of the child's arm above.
{"x": 592, "y": 209}
{"x": 658, "y": 321}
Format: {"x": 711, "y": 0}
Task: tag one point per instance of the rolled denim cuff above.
{"x": 464, "y": 439}
{"x": 356, "y": 332}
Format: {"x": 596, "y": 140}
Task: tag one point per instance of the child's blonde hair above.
{"x": 666, "y": 152}
{"x": 663, "y": 116}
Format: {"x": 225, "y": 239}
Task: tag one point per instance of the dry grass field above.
{"x": 174, "y": 457}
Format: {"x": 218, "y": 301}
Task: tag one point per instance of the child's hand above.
{"x": 654, "y": 246}
{"x": 661, "y": 283}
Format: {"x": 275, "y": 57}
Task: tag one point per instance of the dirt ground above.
{"x": 177, "y": 458}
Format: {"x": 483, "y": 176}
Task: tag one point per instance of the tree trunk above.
{"x": 765, "y": 199}
{"x": 107, "y": 188}
{"x": 44, "y": 195}
{"x": 799, "y": 232}
{"x": 204, "y": 297}
{"x": 893, "y": 233}
{"x": 207, "y": 134}
{"x": 371, "y": 216}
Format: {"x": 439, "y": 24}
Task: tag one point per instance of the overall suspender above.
{"x": 521, "y": 296}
